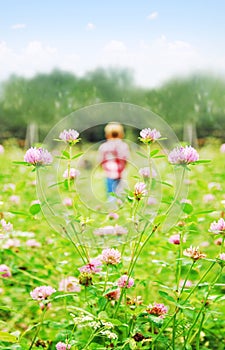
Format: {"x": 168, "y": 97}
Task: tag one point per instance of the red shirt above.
{"x": 113, "y": 157}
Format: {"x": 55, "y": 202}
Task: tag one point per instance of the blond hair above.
{"x": 114, "y": 130}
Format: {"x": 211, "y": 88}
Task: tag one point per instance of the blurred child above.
{"x": 114, "y": 153}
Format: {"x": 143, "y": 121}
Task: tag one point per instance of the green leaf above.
{"x": 154, "y": 152}
{"x": 78, "y": 155}
{"x": 202, "y": 161}
{"x": 132, "y": 344}
{"x": 103, "y": 315}
{"x": 166, "y": 296}
{"x": 66, "y": 154}
{"x": 142, "y": 155}
{"x": 22, "y": 163}
{"x": 187, "y": 208}
{"x": 16, "y": 212}
{"x": 35, "y": 209}
{"x": 7, "y": 337}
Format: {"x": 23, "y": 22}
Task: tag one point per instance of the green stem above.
{"x": 201, "y": 310}
{"x": 75, "y": 246}
{"x": 201, "y": 279}
{"x": 134, "y": 260}
{"x": 38, "y": 328}
{"x": 150, "y": 168}
{"x": 177, "y": 192}
{"x": 177, "y": 308}
{"x": 222, "y": 244}
{"x": 68, "y": 168}
{"x": 186, "y": 278}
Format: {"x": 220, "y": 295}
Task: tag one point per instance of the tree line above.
{"x": 193, "y": 106}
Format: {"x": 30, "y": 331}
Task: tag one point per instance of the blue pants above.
{"x": 111, "y": 185}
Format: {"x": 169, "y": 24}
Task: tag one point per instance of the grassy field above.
{"x": 93, "y": 310}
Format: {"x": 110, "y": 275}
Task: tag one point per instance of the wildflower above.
{"x": 91, "y": 267}
{"x": 68, "y": 202}
{"x": 149, "y": 135}
{"x": 9, "y": 187}
{"x": 125, "y": 282}
{"x": 145, "y": 172}
{"x": 42, "y": 293}
{"x": 221, "y": 260}
{"x": 140, "y": 190}
{"x": 135, "y": 301}
{"x": 110, "y": 230}
{"x": 33, "y": 243}
{"x": 207, "y": 198}
{"x": 185, "y": 201}
{"x": 217, "y": 227}
{"x": 151, "y": 201}
{"x": 2, "y": 150}
{"x": 183, "y": 155}
{"x": 7, "y": 226}
{"x": 218, "y": 241}
{"x": 159, "y": 310}
{"x": 5, "y": 271}
{"x": 113, "y": 216}
{"x": 69, "y": 136}
{"x": 74, "y": 173}
{"x": 194, "y": 253}
{"x": 120, "y": 230}
{"x": 188, "y": 284}
{"x": 62, "y": 346}
{"x": 38, "y": 156}
{"x": 175, "y": 239}
{"x": 69, "y": 284}
{"x": 214, "y": 186}
{"x": 85, "y": 279}
{"x": 222, "y": 148}
{"x": 113, "y": 295}
{"x": 222, "y": 256}
{"x": 14, "y": 199}
{"x": 36, "y": 201}
{"x": 11, "y": 243}
{"x": 111, "y": 256}
{"x": 109, "y": 334}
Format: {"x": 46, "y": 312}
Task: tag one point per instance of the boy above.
{"x": 113, "y": 156}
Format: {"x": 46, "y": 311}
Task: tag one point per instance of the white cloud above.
{"x": 115, "y": 46}
{"x": 153, "y": 62}
{"x": 35, "y": 58}
{"x": 153, "y": 16}
{"x": 18, "y": 26}
{"x": 90, "y": 26}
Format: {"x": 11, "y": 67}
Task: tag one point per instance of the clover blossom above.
{"x": 113, "y": 295}
{"x": 6, "y": 226}
{"x": 38, "y": 156}
{"x": 183, "y": 155}
{"x": 194, "y": 253}
{"x": 159, "y": 310}
{"x": 111, "y": 256}
{"x": 91, "y": 267}
{"x": 73, "y": 173}
{"x": 69, "y": 284}
{"x": 149, "y": 135}
{"x": 145, "y": 172}
{"x": 5, "y": 271}
{"x": 69, "y": 136}
{"x": 217, "y": 227}
{"x": 42, "y": 293}
{"x": 175, "y": 239}
{"x": 140, "y": 190}
{"x": 125, "y": 282}
{"x": 62, "y": 346}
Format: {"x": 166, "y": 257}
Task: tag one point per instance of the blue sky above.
{"x": 156, "y": 39}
